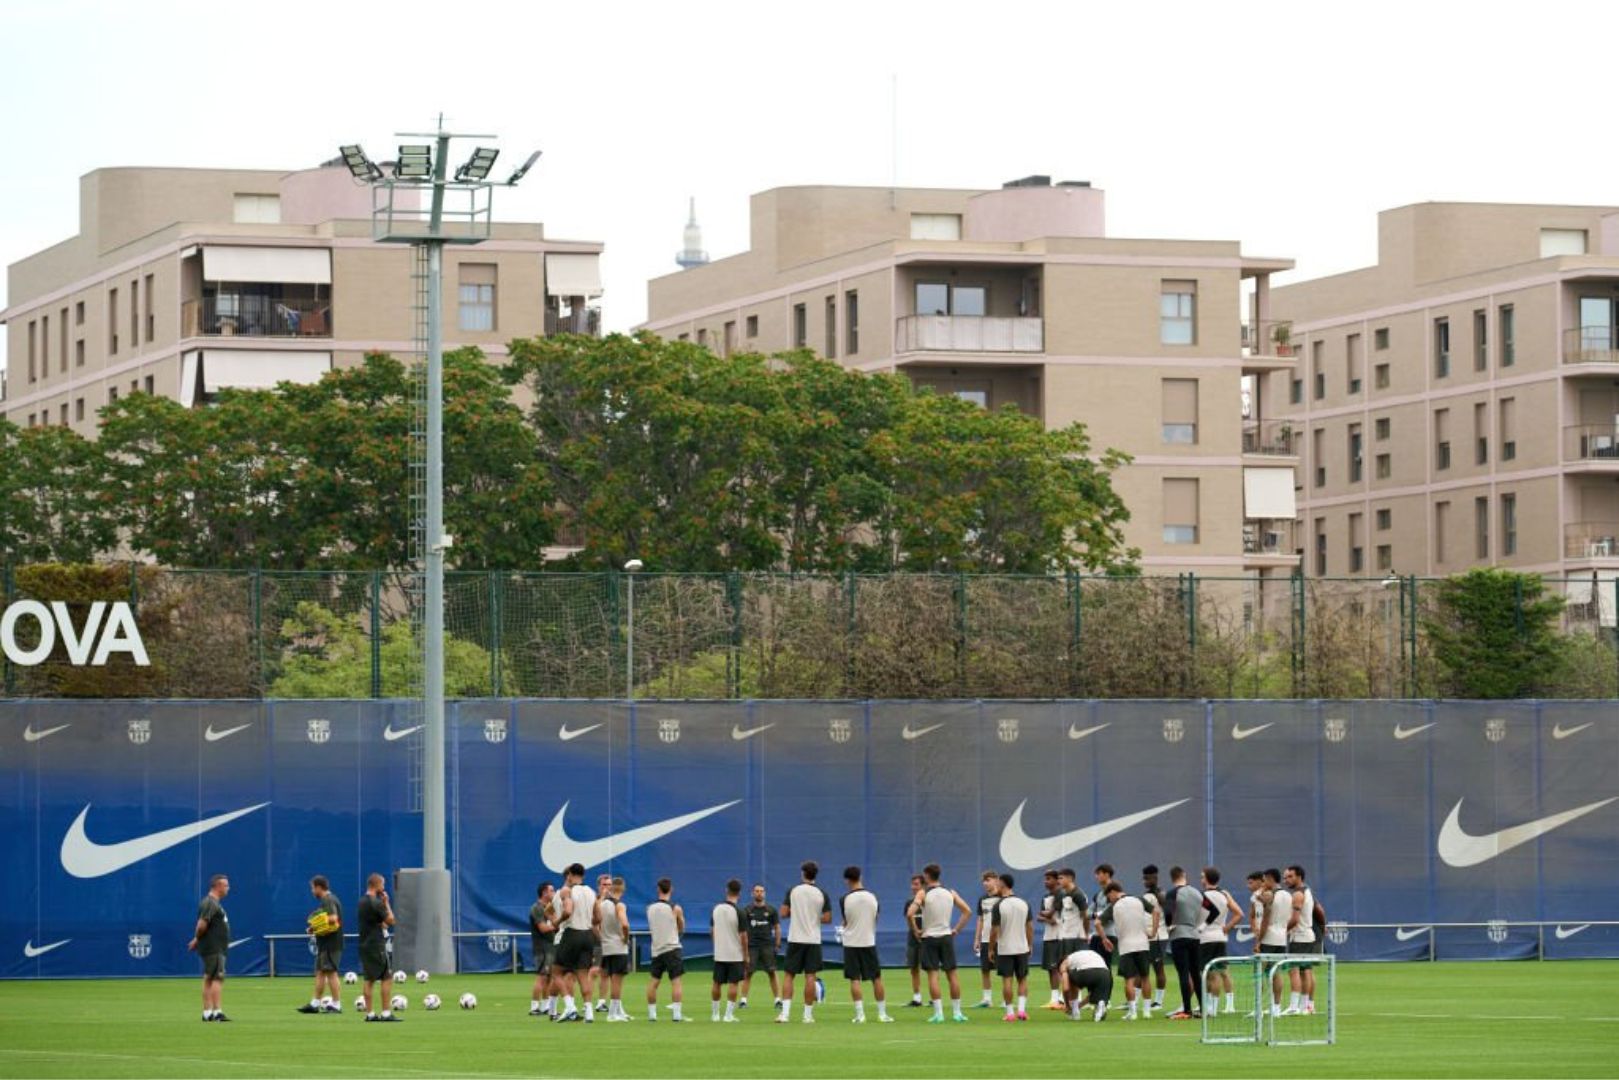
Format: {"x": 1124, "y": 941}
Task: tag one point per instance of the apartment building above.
{"x": 1459, "y": 401}
{"x": 1017, "y": 296}
{"x": 183, "y": 282}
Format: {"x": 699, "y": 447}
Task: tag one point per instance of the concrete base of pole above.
{"x": 421, "y": 904}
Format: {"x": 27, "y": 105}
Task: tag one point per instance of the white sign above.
{"x": 114, "y": 624}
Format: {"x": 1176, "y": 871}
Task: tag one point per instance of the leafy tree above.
{"x": 331, "y": 658}
{"x": 51, "y": 486}
{"x": 1494, "y": 634}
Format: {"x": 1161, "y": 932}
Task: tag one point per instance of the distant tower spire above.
{"x": 693, "y": 254}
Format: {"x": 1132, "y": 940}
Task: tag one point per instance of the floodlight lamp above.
{"x": 415, "y": 162}
{"x": 522, "y": 170}
{"x": 362, "y": 167}
{"x": 478, "y": 166}
{"x": 634, "y": 566}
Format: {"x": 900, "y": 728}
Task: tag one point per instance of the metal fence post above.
{"x": 134, "y": 587}
{"x": 9, "y": 583}
{"x": 1299, "y": 629}
{"x": 494, "y": 633}
{"x": 961, "y": 633}
{"x": 1077, "y": 633}
{"x": 1411, "y": 666}
{"x": 849, "y": 633}
{"x": 256, "y": 614}
{"x": 614, "y": 633}
{"x": 376, "y": 633}
{"x": 733, "y": 666}
{"x": 1190, "y": 682}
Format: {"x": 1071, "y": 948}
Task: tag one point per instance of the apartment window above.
{"x": 1509, "y": 525}
{"x": 1481, "y": 340}
{"x": 1385, "y": 519}
{"x": 63, "y": 415}
{"x": 1441, "y": 435}
{"x": 1177, "y": 313}
{"x": 477, "y": 297}
{"x": 938, "y": 298}
{"x": 1380, "y": 428}
{"x": 831, "y": 327}
{"x": 1353, "y": 359}
{"x": 1441, "y": 523}
{"x": 78, "y": 313}
{"x": 1380, "y": 338}
{"x": 728, "y": 338}
{"x": 1508, "y": 424}
{"x": 1179, "y": 401}
{"x": 753, "y": 326}
{"x": 134, "y": 312}
{"x": 1355, "y": 441}
{"x": 1481, "y": 434}
{"x": 1318, "y": 455}
{"x": 78, "y": 353}
{"x": 684, "y": 337}
{"x": 851, "y": 320}
{"x": 31, "y": 419}
{"x": 61, "y": 333}
{"x": 1357, "y": 552}
{"x": 1320, "y": 547}
{"x": 1380, "y": 376}
{"x": 1318, "y": 373}
{"x": 33, "y": 345}
{"x": 112, "y": 395}
{"x": 1384, "y": 466}
{"x": 147, "y": 383}
{"x": 1385, "y": 557}
{"x": 1180, "y": 511}
{"x": 1481, "y": 527}
{"x": 1441, "y": 348}
{"x": 800, "y": 326}
{"x": 1509, "y": 348}
{"x": 112, "y": 322}
{"x": 257, "y": 210}
{"x": 1562, "y": 242}
{"x": 151, "y": 320}
{"x": 935, "y": 226}
{"x": 45, "y": 345}
{"x": 702, "y": 336}
{"x": 78, "y": 410}
{"x": 1296, "y": 392}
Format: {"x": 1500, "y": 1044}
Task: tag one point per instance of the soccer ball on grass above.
{"x": 431, "y": 1002}
{"x": 421, "y": 976}
{"x": 469, "y": 1001}
{"x": 399, "y": 1002}
{"x": 350, "y": 978}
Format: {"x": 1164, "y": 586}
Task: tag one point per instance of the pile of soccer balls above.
{"x": 399, "y": 1002}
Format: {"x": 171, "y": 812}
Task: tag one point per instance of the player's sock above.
{"x": 1073, "y": 1010}
{"x": 1023, "y": 1003}
{"x": 674, "y": 1010}
{"x": 1231, "y": 1001}
{"x": 652, "y": 1011}
{"x": 1056, "y": 997}
{"x": 955, "y": 1006}
{"x": 860, "y": 1010}
{"x": 1158, "y": 998}
{"x": 986, "y": 999}
{"x": 590, "y": 1010}
{"x": 742, "y": 1002}
{"x": 387, "y": 1013}
{"x": 713, "y": 1010}
{"x": 567, "y": 1005}
{"x": 207, "y": 1014}
{"x": 882, "y": 1010}
{"x": 1293, "y": 1000}
{"x": 938, "y": 1008}
{"x": 1008, "y": 1008}
{"x": 916, "y": 999}
{"x": 534, "y": 1008}
{"x": 730, "y": 1010}
{"x": 1213, "y": 1008}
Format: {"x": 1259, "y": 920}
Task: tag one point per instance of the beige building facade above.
{"x": 183, "y": 282}
{"x": 1457, "y": 405}
{"x": 1016, "y": 296}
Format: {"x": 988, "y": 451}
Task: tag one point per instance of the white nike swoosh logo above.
{"x": 84, "y": 858}
{"x": 238, "y": 941}
{"x": 391, "y": 735}
{"x": 738, "y": 734}
{"x": 214, "y": 736}
{"x": 1021, "y": 851}
{"x": 1559, "y": 733}
{"x": 1402, "y": 934}
{"x": 1245, "y": 935}
{"x": 1402, "y": 733}
{"x": 907, "y": 734}
{"x": 1459, "y": 849}
{"x": 565, "y": 735}
{"x": 30, "y": 735}
{"x": 558, "y": 850}
{"x": 1568, "y": 932}
{"x": 29, "y": 950}
{"x": 1239, "y": 732}
{"x": 1075, "y": 733}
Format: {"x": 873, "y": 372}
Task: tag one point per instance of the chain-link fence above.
{"x": 214, "y": 634}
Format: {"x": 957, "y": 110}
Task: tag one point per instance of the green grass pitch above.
{"x": 1427, "y": 1020}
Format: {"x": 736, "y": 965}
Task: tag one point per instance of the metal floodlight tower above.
{"x": 458, "y": 212}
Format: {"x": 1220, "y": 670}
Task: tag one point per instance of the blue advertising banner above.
{"x": 1448, "y": 829}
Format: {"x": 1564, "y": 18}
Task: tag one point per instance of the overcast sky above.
{"x": 1284, "y": 126}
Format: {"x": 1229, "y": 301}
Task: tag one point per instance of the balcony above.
{"x": 1591, "y": 345}
{"x": 1594, "y": 443}
{"x": 969, "y": 333}
{"x": 585, "y": 320}
{"x": 1269, "y": 543}
{"x": 1591, "y": 540}
{"x": 250, "y": 315}
{"x": 1268, "y": 438}
{"x": 1267, "y": 345}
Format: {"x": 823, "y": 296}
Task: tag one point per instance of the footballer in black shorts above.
{"x": 938, "y": 954}
{"x": 803, "y": 958}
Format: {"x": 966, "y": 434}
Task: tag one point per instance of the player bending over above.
{"x": 1085, "y": 972}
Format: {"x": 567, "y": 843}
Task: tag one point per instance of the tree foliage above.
{"x": 665, "y": 452}
{"x": 1494, "y": 634}
{"x": 330, "y": 657}
{"x": 53, "y": 495}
